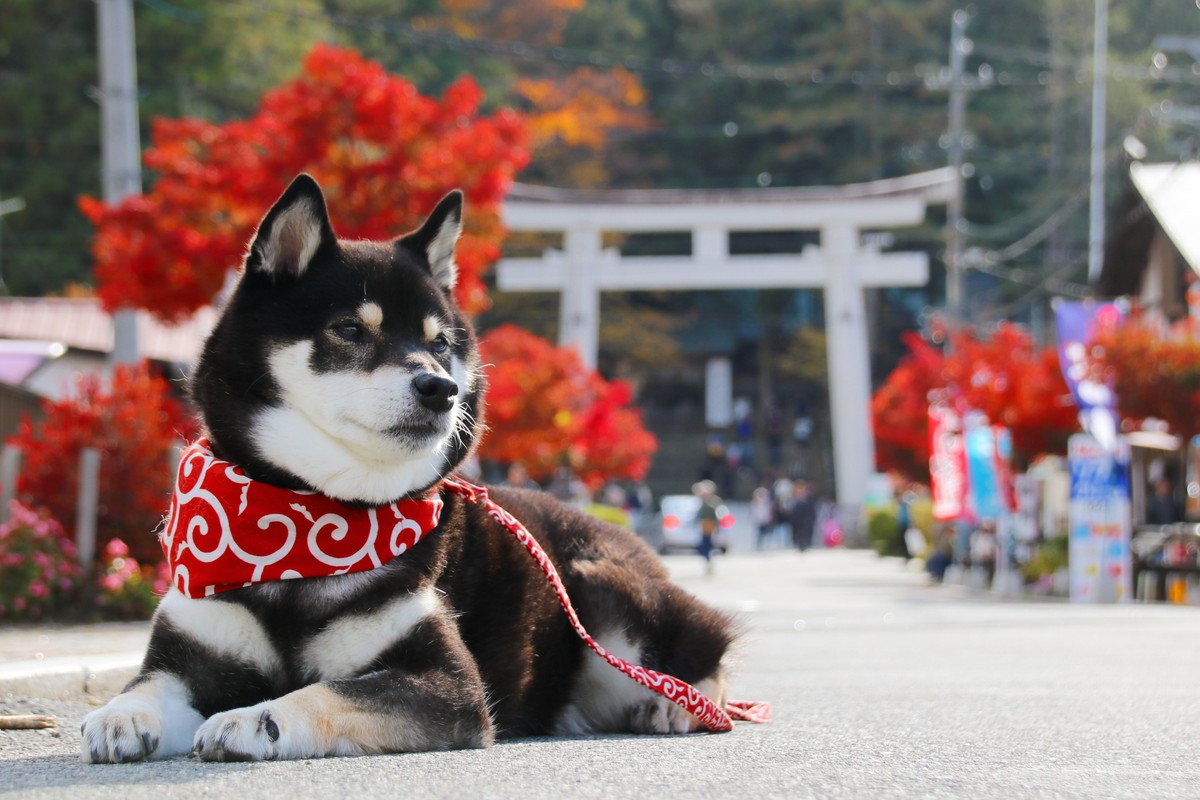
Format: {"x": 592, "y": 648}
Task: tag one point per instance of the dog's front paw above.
{"x": 660, "y": 715}
{"x": 127, "y": 729}
{"x": 243, "y": 734}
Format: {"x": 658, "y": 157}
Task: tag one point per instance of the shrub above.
{"x": 124, "y": 588}
{"x": 884, "y": 532}
{"x": 1049, "y": 558}
{"x": 38, "y": 571}
{"x": 133, "y": 423}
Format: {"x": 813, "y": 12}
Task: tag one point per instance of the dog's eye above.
{"x": 350, "y": 331}
{"x": 440, "y": 343}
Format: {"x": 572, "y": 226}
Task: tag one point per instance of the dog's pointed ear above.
{"x": 292, "y": 232}
{"x": 435, "y": 240}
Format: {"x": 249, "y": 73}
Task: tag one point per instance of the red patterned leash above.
{"x": 679, "y": 692}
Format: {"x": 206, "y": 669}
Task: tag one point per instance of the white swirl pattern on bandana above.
{"x": 226, "y": 531}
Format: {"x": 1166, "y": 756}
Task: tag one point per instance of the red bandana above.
{"x": 226, "y": 531}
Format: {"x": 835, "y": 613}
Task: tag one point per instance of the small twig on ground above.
{"x": 25, "y": 722}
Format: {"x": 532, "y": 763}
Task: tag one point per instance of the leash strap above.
{"x": 683, "y": 694}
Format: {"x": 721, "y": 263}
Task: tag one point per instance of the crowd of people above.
{"x": 782, "y": 511}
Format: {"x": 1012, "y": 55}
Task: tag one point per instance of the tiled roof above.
{"x": 83, "y": 324}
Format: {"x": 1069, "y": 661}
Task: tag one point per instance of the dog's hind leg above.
{"x": 424, "y": 693}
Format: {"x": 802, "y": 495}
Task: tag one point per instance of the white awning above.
{"x": 1172, "y": 193}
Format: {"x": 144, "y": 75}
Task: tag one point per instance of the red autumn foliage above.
{"x": 1005, "y": 376}
{"x": 899, "y": 406}
{"x": 1154, "y": 369}
{"x": 133, "y": 423}
{"x": 383, "y": 153}
{"x": 545, "y": 408}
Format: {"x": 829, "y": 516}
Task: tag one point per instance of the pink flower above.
{"x": 65, "y": 584}
{"x": 19, "y": 604}
{"x": 38, "y": 589}
{"x": 41, "y": 559}
{"x": 111, "y": 582}
{"x": 116, "y": 548}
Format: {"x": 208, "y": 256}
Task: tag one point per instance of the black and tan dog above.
{"x": 345, "y": 368}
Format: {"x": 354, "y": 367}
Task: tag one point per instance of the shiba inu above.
{"x": 342, "y": 374}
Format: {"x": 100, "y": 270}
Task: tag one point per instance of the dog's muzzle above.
{"x": 435, "y": 392}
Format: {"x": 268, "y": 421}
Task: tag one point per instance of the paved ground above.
{"x": 882, "y": 687}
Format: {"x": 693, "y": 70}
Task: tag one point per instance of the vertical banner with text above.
{"x": 1076, "y": 323}
{"x": 1100, "y": 522}
{"x": 983, "y": 473}
{"x": 947, "y": 463}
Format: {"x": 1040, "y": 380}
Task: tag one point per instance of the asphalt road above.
{"x": 882, "y": 687}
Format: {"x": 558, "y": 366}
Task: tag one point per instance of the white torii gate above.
{"x": 841, "y": 265}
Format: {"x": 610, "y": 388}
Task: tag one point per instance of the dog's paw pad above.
{"x": 124, "y": 730}
{"x": 244, "y": 734}
{"x": 660, "y": 715}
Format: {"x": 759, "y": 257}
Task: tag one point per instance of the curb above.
{"x": 69, "y": 676}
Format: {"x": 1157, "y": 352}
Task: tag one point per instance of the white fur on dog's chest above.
{"x": 349, "y": 643}
{"x": 343, "y": 647}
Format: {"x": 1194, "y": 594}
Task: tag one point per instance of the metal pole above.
{"x": 121, "y": 143}
{"x": 1096, "y": 194}
{"x": 959, "y": 46}
{"x": 86, "y": 507}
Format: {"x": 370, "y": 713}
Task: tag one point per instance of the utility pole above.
{"x": 960, "y": 46}
{"x": 121, "y": 144}
{"x": 1096, "y": 193}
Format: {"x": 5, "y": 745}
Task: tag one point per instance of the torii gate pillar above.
{"x": 849, "y": 365}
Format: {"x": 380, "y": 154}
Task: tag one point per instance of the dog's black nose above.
{"x": 434, "y": 391}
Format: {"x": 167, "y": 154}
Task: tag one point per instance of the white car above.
{"x": 681, "y": 528}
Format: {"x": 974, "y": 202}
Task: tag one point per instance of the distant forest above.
{"x": 623, "y": 93}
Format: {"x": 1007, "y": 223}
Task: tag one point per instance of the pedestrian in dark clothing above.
{"x": 1160, "y": 507}
{"x": 708, "y": 518}
{"x": 802, "y": 516}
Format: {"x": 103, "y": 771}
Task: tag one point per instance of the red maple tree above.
{"x": 545, "y": 409}
{"x": 1006, "y": 376}
{"x": 1154, "y": 369}
{"x": 383, "y": 153}
{"x": 133, "y": 423}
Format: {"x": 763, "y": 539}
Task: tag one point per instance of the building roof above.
{"x": 1172, "y": 193}
{"x": 83, "y": 324}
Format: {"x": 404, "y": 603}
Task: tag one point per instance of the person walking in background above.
{"x": 802, "y": 516}
{"x": 708, "y": 518}
{"x": 762, "y": 513}
{"x": 518, "y": 477}
{"x": 1161, "y": 508}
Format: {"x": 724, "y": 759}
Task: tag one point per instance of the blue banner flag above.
{"x": 1097, "y": 404}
